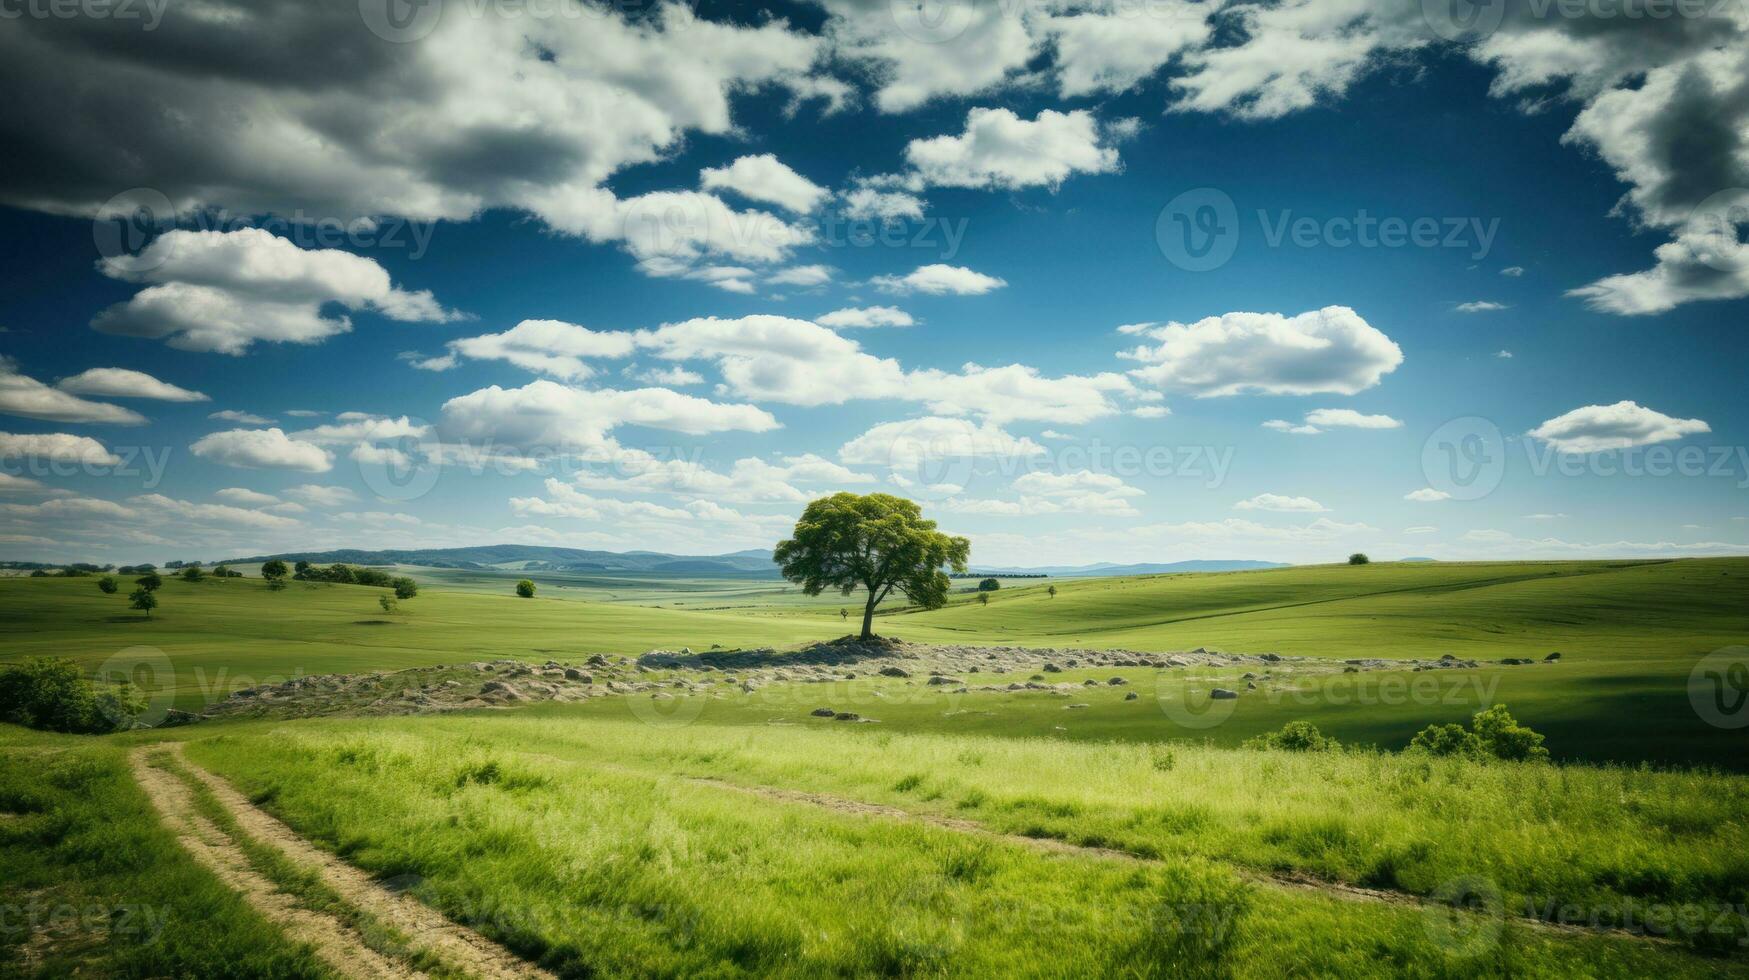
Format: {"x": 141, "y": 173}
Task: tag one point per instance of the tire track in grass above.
{"x": 337, "y": 945}
{"x": 454, "y": 943}
{"x": 1053, "y": 845}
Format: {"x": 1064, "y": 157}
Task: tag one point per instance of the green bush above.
{"x": 525, "y": 588}
{"x": 1494, "y": 732}
{"x": 1295, "y": 736}
{"x": 51, "y": 693}
{"x": 1446, "y": 740}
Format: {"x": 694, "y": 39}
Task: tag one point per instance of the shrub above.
{"x": 1504, "y": 738}
{"x": 1295, "y": 736}
{"x": 1446, "y": 740}
{"x": 989, "y": 585}
{"x": 193, "y": 573}
{"x": 387, "y": 602}
{"x": 525, "y": 588}
{"x": 149, "y": 581}
{"x": 405, "y": 588}
{"x": 108, "y": 585}
{"x": 1359, "y": 558}
{"x": 273, "y": 569}
{"x": 51, "y": 693}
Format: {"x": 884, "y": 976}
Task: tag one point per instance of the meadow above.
{"x": 975, "y": 833}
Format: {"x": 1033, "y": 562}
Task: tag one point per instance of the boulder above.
{"x": 895, "y": 672}
{"x": 1117, "y": 682}
{"x": 1131, "y": 696}
{"x": 823, "y": 713}
{"x": 1222, "y": 694}
{"x": 1551, "y": 658}
{"x": 573, "y": 674}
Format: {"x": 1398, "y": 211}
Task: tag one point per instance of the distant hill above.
{"x": 754, "y": 563}
{"x": 1105, "y": 568}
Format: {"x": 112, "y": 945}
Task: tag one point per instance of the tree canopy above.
{"x": 877, "y": 542}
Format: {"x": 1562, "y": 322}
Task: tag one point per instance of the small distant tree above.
{"x": 844, "y": 613}
{"x": 192, "y": 573}
{"x": 143, "y": 599}
{"x": 226, "y": 571}
{"x": 74, "y": 571}
{"x": 876, "y": 542}
{"x": 387, "y": 602}
{"x": 1295, "y": 736}
{"x": 1505, "y": 738}
{"x": 983, "y": 598}
{"x": 989, "y": 585}
{"x": 302, "y": 570}
{"x": 340, "y": 573}
{"x": 1359, "y": 558}
{"x": 52, "y": 693}
{"x": 151, "y": 581}
{"x": 405, "y": 588}
{"x": 275, "y": 584}
{"x": 1446, "y": 740}
{"x": 273, "y": 570}
{"x": 108, "y": 585}
{"x": 525, "y": 588}
{"x": 1051, "y": 591}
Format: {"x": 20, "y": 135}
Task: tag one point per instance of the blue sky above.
{"x": 565, "y": 276}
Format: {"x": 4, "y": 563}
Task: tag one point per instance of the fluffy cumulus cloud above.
{"x": 867, "y": 316}
{"x": 998, "y": 149}
{"x": 1427, "y": 495}
{"x": 1623, "y": 425}
{"x": 939, "y": 279}
{"x": 318, "y": 495}
{"x": 904, "y": 445}
{"x": 550, "y": 347}
{"x": 531, "y": 111}
{"x": 56, "y": 447}
{"x": 262, "y": 449}
{"x": 125, "y": 383}
{"x": 29, "y": 398}
{"x": 223, "y": 291}
{"x": 1281, "y": 503}
{"x": 555, "y": 417}
{"x": 1332, "y": 350}
{"x": 243, "y": 497}
{"x": 766, "y": 179}
{"x": 748, "y": 480}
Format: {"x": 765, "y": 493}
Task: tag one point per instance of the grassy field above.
{"x": 1630, "y": 634}
{"x": 967, "y": 834}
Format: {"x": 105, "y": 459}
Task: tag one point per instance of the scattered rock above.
{"x": 1551, "y": 658}
{"x": 823, "y": 713}
{"x": 1222, "y": 694}
{"x": 1131, "y": 696}
{"x": 1117, "y": 682}
{"x": 895, "y": 672}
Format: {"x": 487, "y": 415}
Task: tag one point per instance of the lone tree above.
{"x": 405, "y": 588}
{"x": 989, "y": 585}
{"x": 107, "y": 585}
{"x": 143, "y": 599}
{"x": 1359, "y": 558}
{"x": 983, "y": 598}
{"x": 149, "y": 581}
{"x": 273, "y": 569}
{"x": 525, "y": 588}
{"x": 1052, "y": 591}
{"x": 878, "y": 542}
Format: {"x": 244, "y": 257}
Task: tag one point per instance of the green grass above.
{"x": 92, "y": 886}
{"x": 1630, "y": 634}
{"x": 586, "y": 845}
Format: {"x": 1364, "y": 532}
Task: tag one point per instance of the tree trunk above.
{"x": 868, "y": 617}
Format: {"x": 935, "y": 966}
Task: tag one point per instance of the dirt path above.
{"x": 457, "y": 945}
{"x": 1338, "y": 890}
{"x": 338, "y": 946}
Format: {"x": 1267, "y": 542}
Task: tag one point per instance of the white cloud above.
{"x": 1545, "y": 517}
{"x": 802, "y": 276}
{"x": 349, "y": 428}
{"x": 261, "y": 449}
{"x": 1513, "y": 271}
{"x": 551, "y": 347}
{"x": 870, "y": 204}
{"x": 18, "y": 484}
{"x": 223, "y": 291}
{"x": 868, "y": 316}
{"x": 668, "y": 376}
{"x": 1281, "y": 504}
{"x": 1283, "y": 425}
{"x": 31, "y": 399}
{"x": 1332, "y": 350}
{"x": 123, "y": 383}
{"x": 547, "y": 415}
{"x": 1421, "y": 529}
{"x": 1099, "y": 52}
{"x": 1481, "y": 306}
{"x": 766, "y": 179}
{"x": 242, "y": 418}
{"x": 1427, "y": 495}
{"x": 939, "y": 279}
{"x": 220, "y": 514}
{"x": 1598, "y": 428}
{"x": 1504, "y": 355}
{"x": 245, "y": 498}
{"x": 906, "y": 444}
{"x": 317, "y": 495}
{"x": 1351, "y": 419}
{"x": 748, "y": 480}
{"x": 998, "y": 149}
{"x": 1151, "y": 412}
{"x": 58, "y": 447}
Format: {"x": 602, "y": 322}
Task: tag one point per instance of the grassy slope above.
{"x": 92, "y": 886}
{"x": 1630, "y": 633}
{"x": 586, "y": 845}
